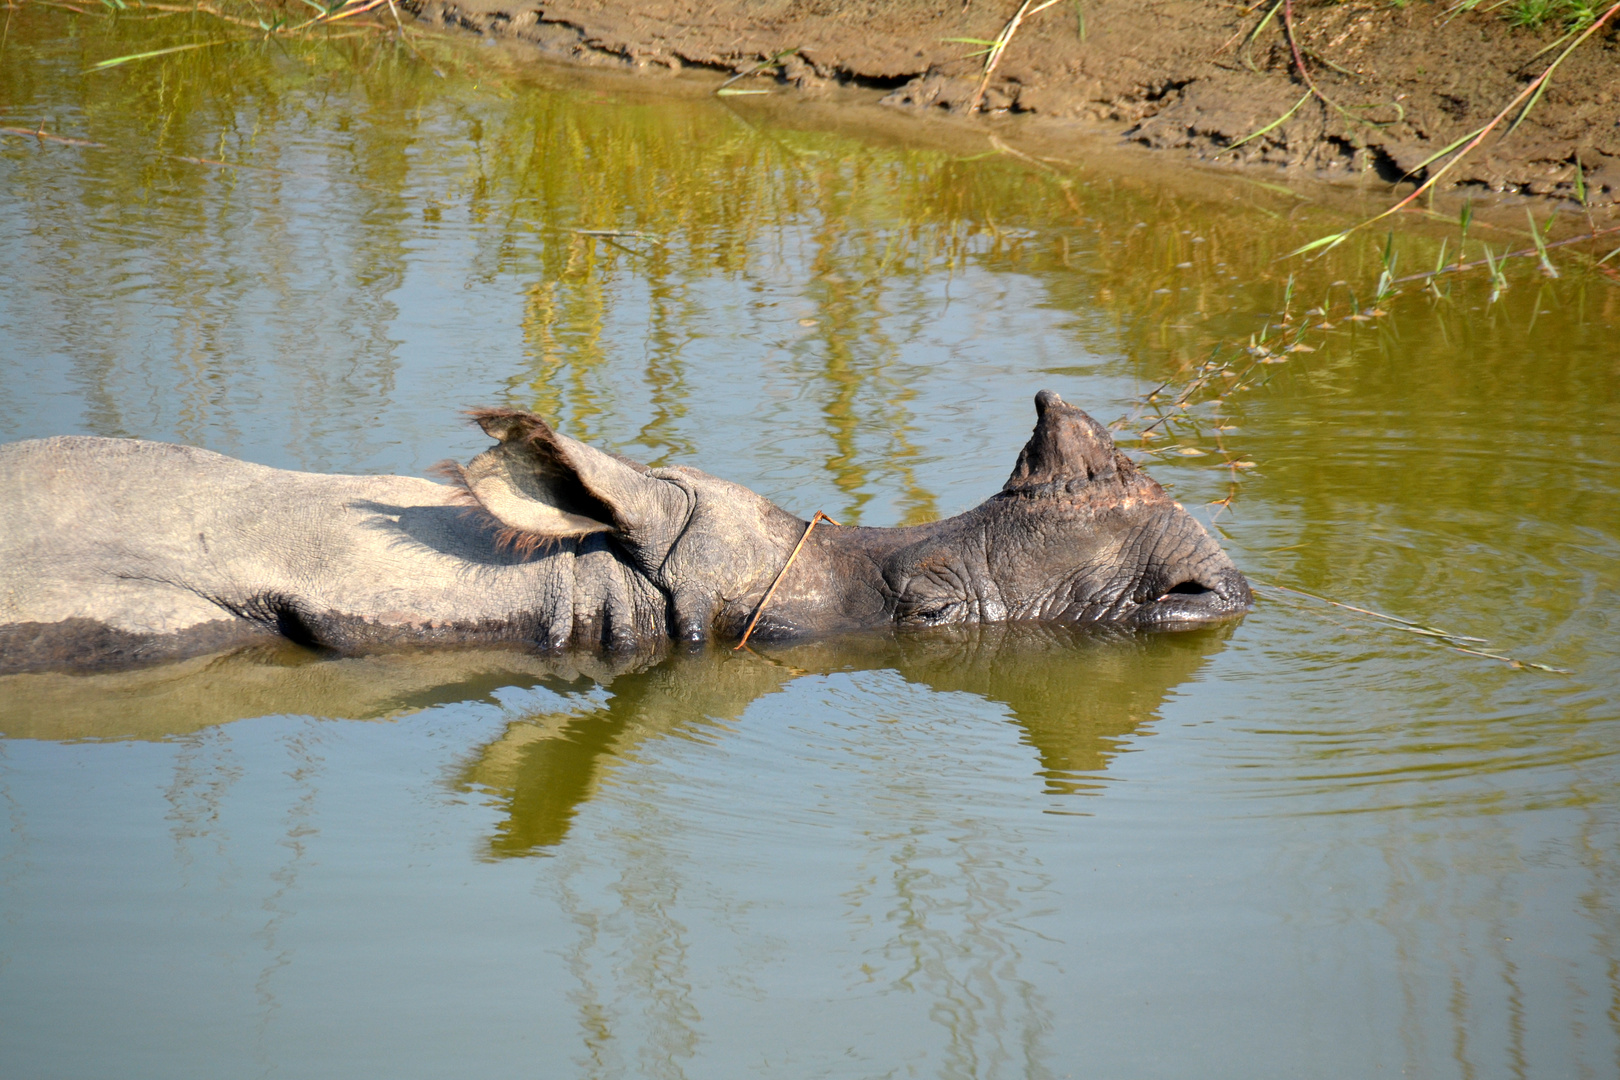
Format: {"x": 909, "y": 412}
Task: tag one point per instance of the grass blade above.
{"x": 1541, "y": 244}
{"x": 1532, "y": 92}
{"x": 115, "y": 61}
{"x": 1330, "y": 242}
{"x": 1281, "y": 119}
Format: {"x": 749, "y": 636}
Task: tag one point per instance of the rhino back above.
{"x": 123, "y": 549}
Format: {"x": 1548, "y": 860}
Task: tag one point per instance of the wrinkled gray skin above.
{"x": 118, "y": 551}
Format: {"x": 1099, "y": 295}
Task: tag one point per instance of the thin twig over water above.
{"x": 1456, "y": 642}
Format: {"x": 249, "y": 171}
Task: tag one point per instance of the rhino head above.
{"x": 1077, "y": 535}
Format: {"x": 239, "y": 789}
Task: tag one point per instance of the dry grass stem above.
{"x": 1456, "y": 642}
{"x": 999, "y": 47}
{"x": 780, "y": 574}
{"x": 1526, "y": 98}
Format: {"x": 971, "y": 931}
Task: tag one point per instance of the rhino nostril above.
{"x": 1187, "y": 588}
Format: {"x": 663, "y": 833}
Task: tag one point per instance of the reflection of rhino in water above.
{"x": 268, "y": 679}
{"x": 115, "y": 551}
{"x": 1074, "y": 693}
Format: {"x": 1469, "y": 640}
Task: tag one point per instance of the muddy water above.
{"x": 1311, "y": 844}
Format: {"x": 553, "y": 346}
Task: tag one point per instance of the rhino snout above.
{"x": 1208, "y": 595}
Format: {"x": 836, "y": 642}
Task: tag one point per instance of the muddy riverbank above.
{"x": 1185, "y": 76}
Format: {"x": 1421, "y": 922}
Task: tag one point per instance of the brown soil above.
{"x": 1176, "y": 75}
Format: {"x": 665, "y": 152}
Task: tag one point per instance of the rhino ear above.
{"x": 543, "y": 485}
{"x": 1067, "y": 450}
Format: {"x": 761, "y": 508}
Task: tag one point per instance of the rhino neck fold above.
{"x": 836, "y": 583}
{"x": 612, "y": 605}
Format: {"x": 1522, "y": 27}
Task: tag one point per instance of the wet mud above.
{"x": 1394, "y": 85}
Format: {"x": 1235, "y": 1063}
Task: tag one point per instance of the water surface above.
{"x": 1311, "y": 844}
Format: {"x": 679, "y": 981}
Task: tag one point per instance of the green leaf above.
{"x": 1281, "y": 119}
{"x": 115, "y": 61}
{"x": 1438, "y": 154}
{"x": 1327, "y": 242}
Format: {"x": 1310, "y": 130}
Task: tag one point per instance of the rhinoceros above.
{"x": 117, "y": 551}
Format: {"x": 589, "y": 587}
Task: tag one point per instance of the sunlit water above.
{"x": 1312, "y": 844}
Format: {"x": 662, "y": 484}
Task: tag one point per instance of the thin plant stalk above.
{"x": 1274, "y": 124}
{"x": 117, "y": 60}
{"x": 1456, "y": 642}
{"x": 999, "y": 47}
{"x": 1253, "y": 35}
{"x": 1299, "y": 61}
{"x": 769, "y": 61}
{"x": 1541, "y": 244}
{"x": 326, "y": 16}
{"x": 780, "y": 574}
{"x": 1524, "y": 253}
{"x": 1530, "y": 93}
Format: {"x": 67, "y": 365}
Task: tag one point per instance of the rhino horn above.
{"x": 1067, "y": 450}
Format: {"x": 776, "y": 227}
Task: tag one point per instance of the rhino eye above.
{"x": 927, "y": 611}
